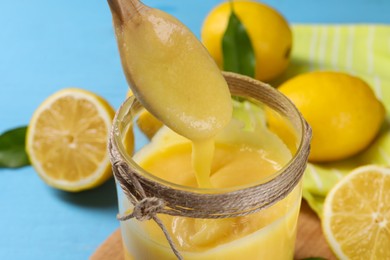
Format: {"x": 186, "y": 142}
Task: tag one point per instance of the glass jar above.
{"x": 267, "y": 230}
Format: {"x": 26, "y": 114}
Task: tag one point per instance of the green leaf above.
{"x": 12, "y": 148}
{"x": 251, "y": 115}
{"x": 238, "y": 53}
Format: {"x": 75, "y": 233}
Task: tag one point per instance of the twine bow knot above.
{"x": 146, "y": 209}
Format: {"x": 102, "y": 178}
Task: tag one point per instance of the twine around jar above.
{"x": 150, "y": 197}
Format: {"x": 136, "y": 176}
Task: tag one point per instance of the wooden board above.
{"x": 310, "y": 240}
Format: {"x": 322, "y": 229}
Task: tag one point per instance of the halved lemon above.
{"x": 356, "y": 217}
{"x": 67, "y": 140}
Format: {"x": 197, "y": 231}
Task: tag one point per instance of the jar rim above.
{"x": 133, "y": 104}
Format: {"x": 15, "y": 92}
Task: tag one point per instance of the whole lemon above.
{"x": 269, "y": 32}
{"x": 148, "y": 124}
{"x": 343, "y": 111}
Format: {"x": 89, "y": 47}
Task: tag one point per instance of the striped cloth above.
{"x": 363, "y": 51}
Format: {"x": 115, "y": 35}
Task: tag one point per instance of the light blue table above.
{"x": 48, "y": 45}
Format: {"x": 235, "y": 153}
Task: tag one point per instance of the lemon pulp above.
{"x": 67, "y": 139}
{"x": 356, "y": 217}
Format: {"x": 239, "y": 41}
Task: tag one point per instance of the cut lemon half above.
{"x": 356, "y": 217}
{"x": 67, "y": 140}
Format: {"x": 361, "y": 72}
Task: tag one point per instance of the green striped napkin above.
{"x": 361, "y": 50}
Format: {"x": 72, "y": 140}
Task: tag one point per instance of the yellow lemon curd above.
{"x": 248, "y": 158}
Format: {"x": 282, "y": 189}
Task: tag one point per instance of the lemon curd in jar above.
{"x": 242, "y": 157}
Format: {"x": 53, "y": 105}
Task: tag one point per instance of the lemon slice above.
{"x": 356, "y": 217}
{"x": 67, "y": 140}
